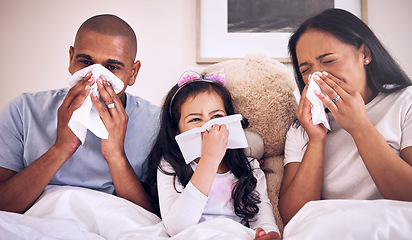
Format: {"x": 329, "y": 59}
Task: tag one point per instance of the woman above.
{"x": 367, "y": 154}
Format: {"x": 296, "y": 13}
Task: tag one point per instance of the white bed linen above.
{"x": 351, "y": 219}
{"x": 78, "y": 213}
{"x": 64, "y": 212}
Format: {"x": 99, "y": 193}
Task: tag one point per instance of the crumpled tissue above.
{"x": 317, "y": 108}
{"x": 190, "y": 142}
{"x": 87, "y": 116}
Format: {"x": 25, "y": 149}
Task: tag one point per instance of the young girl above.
{"x": 221, "y": 183}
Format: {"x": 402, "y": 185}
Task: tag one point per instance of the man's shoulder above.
{"x": 37, "y": 100}
{"x": 136, "y": 103}
{"x": 61, "y": 92}
{"x": 42, "y": 95}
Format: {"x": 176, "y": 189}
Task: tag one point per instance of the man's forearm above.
{"x": 20, "y": 190}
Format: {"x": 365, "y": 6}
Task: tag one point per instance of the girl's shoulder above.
{"x": 165, "y": 165}
{"x": 253, "y": 162}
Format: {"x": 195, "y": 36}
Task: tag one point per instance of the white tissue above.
{"x": 317, "y": 108}
{"x": 190, "y": 142}
{"x": 87, "y": 116}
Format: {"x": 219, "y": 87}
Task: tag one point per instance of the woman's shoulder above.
{"x": 399, "y": 97}
{"x": 296, "y": 132}
{"x": 407, "y": 91}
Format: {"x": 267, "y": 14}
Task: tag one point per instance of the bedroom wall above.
{"x": 36, "y": 35}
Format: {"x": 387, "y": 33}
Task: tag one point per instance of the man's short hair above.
{"x": 112, "y": 25}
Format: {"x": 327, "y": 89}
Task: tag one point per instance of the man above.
{"x": 37, "y": 148}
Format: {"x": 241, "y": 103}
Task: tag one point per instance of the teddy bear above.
{"x": 262, "y": 92}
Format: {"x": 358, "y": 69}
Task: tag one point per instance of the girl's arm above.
{"x": 214, "y": 145}
{"x": 181, "y": 209}
{"x": 264, "y": 219}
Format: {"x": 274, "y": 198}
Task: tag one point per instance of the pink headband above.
{"x": 191, "y": 76}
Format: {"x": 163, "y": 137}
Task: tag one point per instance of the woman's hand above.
{"x": 346, "y": 105}
{"x": 114, "y": 118}
{"x": 262, "y": 235}
{"x": 214, "y": 143}
{"x": 304, "y": 115}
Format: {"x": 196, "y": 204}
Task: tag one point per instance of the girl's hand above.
{"x": 214, "y": 143}
{"x": 348, "y": 107}
{"x": 114, "y": 118}
{"x": 304, "y": 115}
{"x": 262, "y": 235}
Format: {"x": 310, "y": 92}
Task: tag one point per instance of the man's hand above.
{"x": 21, "y": 189}
{"x": 114, "y": 117}
{"x": 66, "y": 141}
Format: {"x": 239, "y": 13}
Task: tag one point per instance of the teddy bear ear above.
{"x": 262, "y": 91}
{"x": 244, "y": 122}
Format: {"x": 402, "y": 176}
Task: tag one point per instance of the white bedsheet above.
{"x": 79, "y": 213}
{"x": 351, "y": 219}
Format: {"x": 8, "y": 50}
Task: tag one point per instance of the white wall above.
{"x": 391, "y": 22}
{"x": 36, "y": 35}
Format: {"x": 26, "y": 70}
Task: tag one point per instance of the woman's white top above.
{"x": 345, "y": 175}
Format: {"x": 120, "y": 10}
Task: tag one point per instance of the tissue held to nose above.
{"x": 190, "y": 142}
{"x": 87, "y": 116}
{"x": 317, "y": 108}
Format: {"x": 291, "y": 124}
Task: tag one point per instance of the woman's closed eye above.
{"x": 194, "y": 120}
{"x": 329, "y": 61}
{"x": 303, "y": 71}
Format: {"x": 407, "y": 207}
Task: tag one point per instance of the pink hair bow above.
{"x": 191, "y": 76}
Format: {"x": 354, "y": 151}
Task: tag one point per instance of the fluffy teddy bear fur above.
{"x": 262, "y": 91}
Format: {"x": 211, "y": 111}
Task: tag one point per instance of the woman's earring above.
{"x": 367, "y": 61}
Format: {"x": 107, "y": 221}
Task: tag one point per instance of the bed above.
{"x": 64, "y": 212}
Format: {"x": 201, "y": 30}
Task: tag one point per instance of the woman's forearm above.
{"x": 302, "y": 181}
{"x": 391, "y": 173}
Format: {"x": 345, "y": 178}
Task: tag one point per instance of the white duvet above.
{"x": 351, "y": 220}
{"x": 78, "y": 213}
{"x": 64, "y": 212}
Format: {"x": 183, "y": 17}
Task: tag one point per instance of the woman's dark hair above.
{"x": 383, "y": 73}
{"x": 244, "y": 195}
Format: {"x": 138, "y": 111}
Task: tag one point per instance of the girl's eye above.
{"x": 217, "y": 116}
